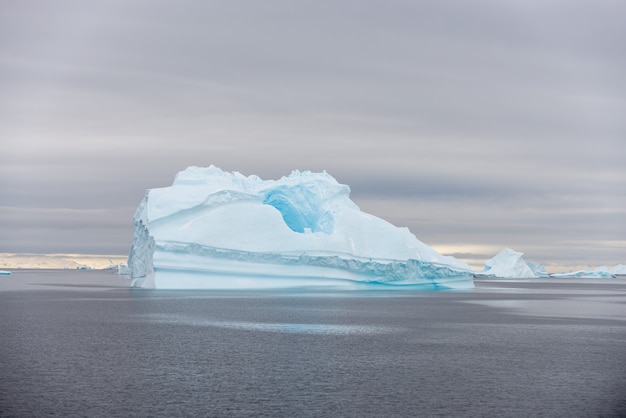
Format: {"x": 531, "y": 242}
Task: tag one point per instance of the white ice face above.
{"x": 511, "y": 264}
{"x": 214, "y": 229}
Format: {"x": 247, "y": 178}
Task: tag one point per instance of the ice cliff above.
{"x": 511, "y": 264}
{"x": 215, "y": 229}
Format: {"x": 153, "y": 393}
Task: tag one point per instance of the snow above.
{"x": 216, "y": 229}
{"x": 511, "y": 264}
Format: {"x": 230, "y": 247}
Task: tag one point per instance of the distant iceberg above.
{"x": 123, "y": 270}
{"x": 511, "y": 264}
{"x": 619, "y": 270}
{"x": 539, "y": 270}
{"x": 218, "y": 230}
{"x": 5, "y": 273}
{"x": 599, "y": 273}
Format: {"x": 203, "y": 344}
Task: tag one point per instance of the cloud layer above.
{"x": 478, "y": 124}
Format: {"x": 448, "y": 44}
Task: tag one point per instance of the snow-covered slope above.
{"x": 215, "y": 229}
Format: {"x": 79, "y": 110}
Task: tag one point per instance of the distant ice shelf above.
{"x": 219, "y": 230}
{"x": 599, "y": 273}
{"x": 619, "y": 270}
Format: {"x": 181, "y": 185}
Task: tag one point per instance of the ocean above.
{"x": 82, "y": 343}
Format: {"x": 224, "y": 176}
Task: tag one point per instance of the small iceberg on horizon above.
{"x": 218, "y": 230}
{"x": 509, "y": 264}
{"x": 5, "y": 273}
{"x": 599, "y": 273}
{"x": 619, "y": 270}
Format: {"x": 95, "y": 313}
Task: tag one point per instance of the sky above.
{"x": 479, "y": 125}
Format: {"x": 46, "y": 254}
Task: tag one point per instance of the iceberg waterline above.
{"x": 215, "y": 229}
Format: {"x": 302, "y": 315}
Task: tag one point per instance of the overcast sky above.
{"x": 477, "y": 124}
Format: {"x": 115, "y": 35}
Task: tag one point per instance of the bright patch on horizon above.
{"x": 60, "y": 261}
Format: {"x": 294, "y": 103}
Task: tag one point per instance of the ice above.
{"x": 123, "y": 270}
{"x": 619, "y": 270}
{"x": 599, "y": 273}
{"x": 216, "y": 229}
{"x": 538, "y": 270}
{"x": 57, "y": 261}
{"x": 5, "y": 273}
{"x": 511, "y": 264}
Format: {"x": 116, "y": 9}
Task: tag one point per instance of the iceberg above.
{"x": 619, "y": 270}
{"x": 5, "y": 273}
{"x": 511, "y": 264}
{"x": 213, "y": 229}
{"x": 599, "y": 273}
{"x": 539, "y": 270}
{"x": 123, "y": 269}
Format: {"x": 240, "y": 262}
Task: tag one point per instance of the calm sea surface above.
{"x": 84, "y": 344}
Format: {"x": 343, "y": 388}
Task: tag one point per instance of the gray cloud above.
{"x": 81, "y": 231}
{"x": 498, "y": 123}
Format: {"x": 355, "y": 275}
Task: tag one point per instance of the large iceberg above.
{"x": 511, "y": 264}
{"x": 218, "y": 230}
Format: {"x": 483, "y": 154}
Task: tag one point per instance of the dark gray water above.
{"x": 81, "y": 344}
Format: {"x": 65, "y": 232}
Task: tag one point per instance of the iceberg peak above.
{"x": 509, "y": 263}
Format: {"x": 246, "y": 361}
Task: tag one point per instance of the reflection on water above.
{"x": 282, "y": 327}
{"x": 597, "y": 308}
{"x": 555, "y": 298}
